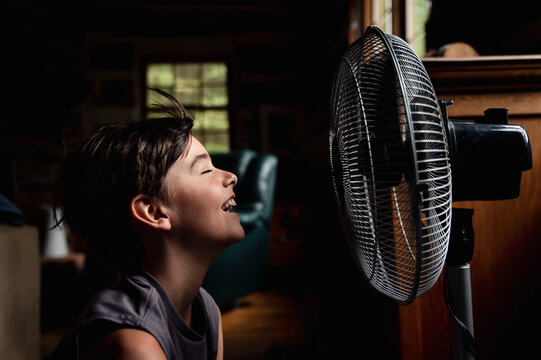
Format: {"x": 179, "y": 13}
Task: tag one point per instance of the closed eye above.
{"x": 206, "y": 171}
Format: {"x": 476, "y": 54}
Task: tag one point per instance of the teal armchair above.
{"x": 241, "y": 268}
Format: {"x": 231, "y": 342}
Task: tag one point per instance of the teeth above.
{"x": 229, "y": 205}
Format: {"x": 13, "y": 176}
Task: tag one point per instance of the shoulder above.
{"x": 214, "y": 319}
{"x": 125, "y": 303}
{"x": 211, "y": 308}
{"x": 126, "y": 344}
{"x": 207, "y": 300}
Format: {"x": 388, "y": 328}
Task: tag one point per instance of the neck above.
{"x": 181, "y": 274}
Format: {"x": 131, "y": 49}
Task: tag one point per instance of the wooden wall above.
{"x": 505, "y": 271}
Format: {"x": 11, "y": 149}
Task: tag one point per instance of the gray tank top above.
{"x": 140, "y": 302}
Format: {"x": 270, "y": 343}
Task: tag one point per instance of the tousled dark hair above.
{"x": 100, "y": 177}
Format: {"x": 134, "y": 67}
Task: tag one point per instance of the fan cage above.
{"x": 390, "y": 165}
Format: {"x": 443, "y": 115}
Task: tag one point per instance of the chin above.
{"x": 239, "y": 230}
{"x": 238, "y": 236}
{"x": 234, "y": 234}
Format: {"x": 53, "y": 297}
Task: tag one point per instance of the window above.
{"x": 404, "y": 18}
{"x": 382, "y": 15}
{"x": 417, "y": 12}
{"x": 202, "y": 88}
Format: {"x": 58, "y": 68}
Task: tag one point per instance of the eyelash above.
{"x": 206, "y": 171}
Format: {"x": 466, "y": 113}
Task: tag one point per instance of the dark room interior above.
{"x": 76, "y": 65}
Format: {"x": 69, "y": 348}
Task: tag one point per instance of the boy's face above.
{"x": 198, "y": 200}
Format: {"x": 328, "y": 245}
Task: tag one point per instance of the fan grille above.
{"x": 391, "y": 167}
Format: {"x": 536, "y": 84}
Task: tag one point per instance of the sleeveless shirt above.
{"x": 140, "y": 302}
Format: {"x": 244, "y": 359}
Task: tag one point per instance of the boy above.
{"x": 150, "y": 205}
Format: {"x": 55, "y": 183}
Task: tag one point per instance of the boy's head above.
{"x": 100, "y": 177}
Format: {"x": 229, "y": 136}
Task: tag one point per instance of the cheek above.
{"x": 197, "y": 204}
{"x": 201, "y": 200}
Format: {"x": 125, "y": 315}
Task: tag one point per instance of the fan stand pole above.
{"x": 460, "y": 287}
{"x": 459, "y": 284}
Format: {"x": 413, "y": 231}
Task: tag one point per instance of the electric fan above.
{"x": 398, "y": 162}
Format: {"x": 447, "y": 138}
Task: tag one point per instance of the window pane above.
{"x": 188, "y": 76}
{"x": 188, "y": 71}
{"x": 188, "y": 96}
{"x": 199, "y": 121}
{"x": 215, "y": 96}
{"x": 211, "y": 119}
{"x": 160, "y": 75}
{"x": 214, "y": 72}
{"x": 187, "y": 83}
{"x": 216, "y": 120}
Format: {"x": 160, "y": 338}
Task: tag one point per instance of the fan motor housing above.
{"x": 487, "y": 156}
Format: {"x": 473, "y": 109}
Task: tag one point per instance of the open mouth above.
{"x": 229, "y": 204}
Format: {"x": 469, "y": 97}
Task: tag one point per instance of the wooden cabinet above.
{"x": 19, "y": 292}
{"x": 505, "y": 270}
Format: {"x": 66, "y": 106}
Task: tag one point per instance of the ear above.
{"x": 149, "y": 213}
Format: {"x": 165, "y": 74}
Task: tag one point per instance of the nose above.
{"x": 229, "y": 179}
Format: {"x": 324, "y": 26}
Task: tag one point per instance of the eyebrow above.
{"x": 198, "y": 158}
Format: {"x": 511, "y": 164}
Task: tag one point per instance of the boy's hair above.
{"x": 100, "y": 177}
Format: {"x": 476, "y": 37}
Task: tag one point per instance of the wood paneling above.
{"x": 505, "y": 269}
